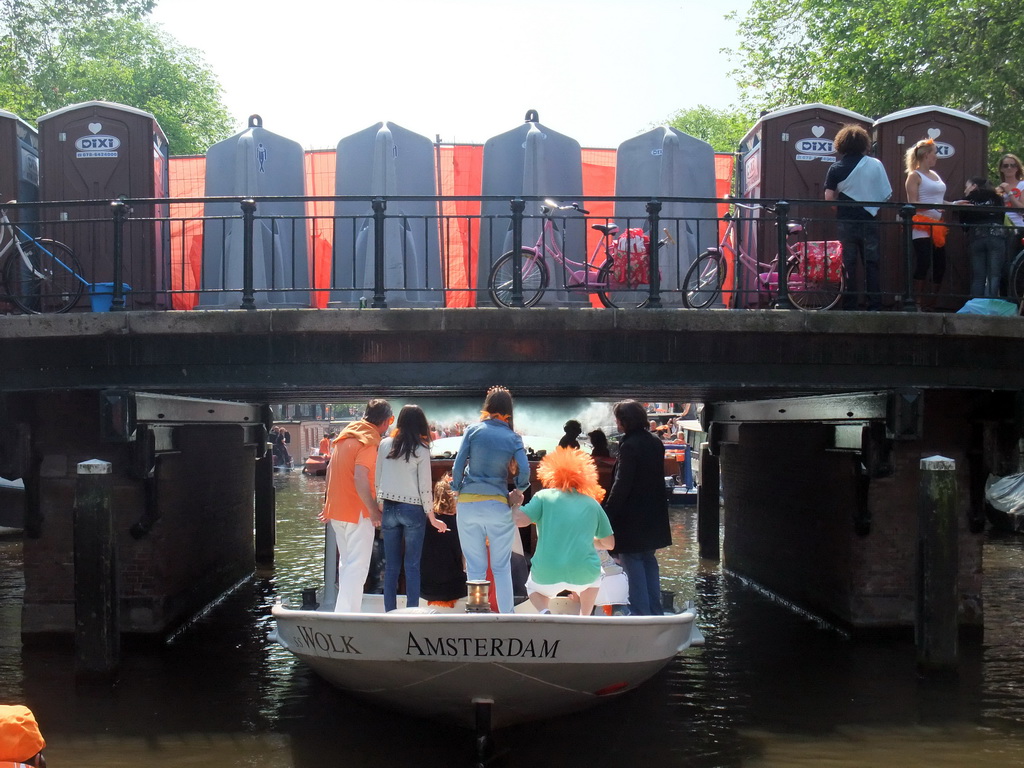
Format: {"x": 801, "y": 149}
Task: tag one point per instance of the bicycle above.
{"x": 41, "y": 276}
{"x": 703, "y": 282}
{"x": 582, "y": 276}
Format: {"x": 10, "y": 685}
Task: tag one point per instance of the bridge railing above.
{"x": 406, "y": 251}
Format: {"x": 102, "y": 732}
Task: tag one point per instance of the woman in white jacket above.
{"x": 405, "y": 492}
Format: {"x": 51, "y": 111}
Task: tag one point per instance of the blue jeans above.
{"x": 644, "y": 582}
{"x": 480, "y": 521}
{"x": 409, "y": 522}
{"x": 988, "y": 259}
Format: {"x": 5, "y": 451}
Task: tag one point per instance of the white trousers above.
{"x": 355, "y": 548}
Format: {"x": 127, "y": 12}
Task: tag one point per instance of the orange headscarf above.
{"x": 570, "y": 469}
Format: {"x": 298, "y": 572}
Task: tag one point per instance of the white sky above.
{"x": 599, "y": 71}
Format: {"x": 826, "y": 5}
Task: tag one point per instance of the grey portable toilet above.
{"x": 665, "y": 162}
{"x": 962, "y": 143}
{"x": 19, "y": 160}
{"x": 532, "y": 160}
{"x": 102, "y": 151}
{"x": 255, "y": 163}
{"x": 386, "y": 160}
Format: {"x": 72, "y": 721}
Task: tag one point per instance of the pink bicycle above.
{"x": 583, "y": 276}
{"x": 813, "y": 269}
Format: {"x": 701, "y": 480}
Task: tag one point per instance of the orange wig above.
{"x": 570, "y": 469}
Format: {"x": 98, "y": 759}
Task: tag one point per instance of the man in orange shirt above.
{"x": 351, "y": 504}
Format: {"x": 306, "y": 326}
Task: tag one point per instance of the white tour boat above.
{"x": 443, "y": 665}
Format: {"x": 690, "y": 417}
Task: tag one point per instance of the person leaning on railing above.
{"x": 986, "y": 238}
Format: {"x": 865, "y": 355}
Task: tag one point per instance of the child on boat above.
{"x": 442, "y": 567}
{"x": 571, "y": 527}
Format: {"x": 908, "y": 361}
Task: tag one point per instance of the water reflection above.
{"x": 770, "y": 688}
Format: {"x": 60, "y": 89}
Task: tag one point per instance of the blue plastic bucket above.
{"x": 101, "y": 295}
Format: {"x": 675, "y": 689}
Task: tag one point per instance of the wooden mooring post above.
{"x": 708, "y": 506}
{"x": 265, "y": 510}
{"x": 97, "y": 626}
{"x": 936, "y": 628}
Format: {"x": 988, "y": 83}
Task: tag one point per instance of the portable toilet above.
{"x": 961, "y": 140}
{"x": 19, "y": 160}
{"x": 532, "y": 161}
{"x": 387, "y": 160}
{"x": 785, "y": 156}
{"x": 256, "y": 163}
{"x": 665, "y": 163}
{"x": 100, "y": 151}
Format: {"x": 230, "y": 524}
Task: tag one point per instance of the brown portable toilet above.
{"x": 785, "y": 156}
{"x": 102, "y": 151}
{"x": 19, "y": 160}
{"x": 962, "y": 142}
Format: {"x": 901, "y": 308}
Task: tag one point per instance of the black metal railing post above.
{"x": 653, "y": 227}
{"x": 908, "y": 302}
{"x": 379, "y": 205}
{"x": 120, "y": 212}
{"x": 248, "y": 224}
{"x": 518, "y": 206}
{"x": 782, "y": 300}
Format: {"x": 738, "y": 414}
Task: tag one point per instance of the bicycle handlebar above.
{"x": 552, "y": 205}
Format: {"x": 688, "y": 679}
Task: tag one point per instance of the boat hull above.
{"x": 438, "y": 665}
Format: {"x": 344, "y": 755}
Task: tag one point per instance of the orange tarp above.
{"x": 461, "y": 173}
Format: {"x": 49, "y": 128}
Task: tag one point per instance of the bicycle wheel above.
{"x": 535, "y": 279}
{"x": 813, "y": 294}
{"x": 703, "y": 282}
{"x": 1015, "y": 284}
{"x": 617, "y": 295}
{"x": 51, "y": 284}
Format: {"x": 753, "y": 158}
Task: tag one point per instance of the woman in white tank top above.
{"x": 924, "y": 186}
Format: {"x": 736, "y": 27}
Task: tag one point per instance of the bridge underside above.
{"x": 309, "y": 355}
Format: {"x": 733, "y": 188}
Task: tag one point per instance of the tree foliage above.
{"x": 721, "y": 128}
{"x": 878, "y": 56}
{"x": 59, "y": 52}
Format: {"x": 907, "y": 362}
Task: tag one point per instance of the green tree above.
{"x": 879, "y": 56}
{"x": 721, "y": 128}
{"x": 59, "y": 52}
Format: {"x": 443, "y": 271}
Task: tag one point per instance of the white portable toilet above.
{"x": 255, "y": 163}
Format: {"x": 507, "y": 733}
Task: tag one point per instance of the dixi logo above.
{"x": 97, "y": 142}
{"x": 815, "y": 146}
{"x": 944, "y": 150}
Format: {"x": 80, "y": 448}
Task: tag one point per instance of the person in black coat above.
{"x": 638, "y": 507}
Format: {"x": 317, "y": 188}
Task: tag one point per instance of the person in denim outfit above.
{"x": 405, "y": 492}
{"x": 480, "y": 477}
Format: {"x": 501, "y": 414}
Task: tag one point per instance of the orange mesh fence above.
{"x": 187, "y": 178}
{"x": 724, "y": 166}
{"x": 461, "y": 174}
{"x": 320, "y": 173}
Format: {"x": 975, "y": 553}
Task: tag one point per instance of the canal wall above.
{"x": 183, "y": 529}
{"x": 802, "y": 520}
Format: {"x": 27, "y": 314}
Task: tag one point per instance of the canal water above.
{"x": 770, "y": 688}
